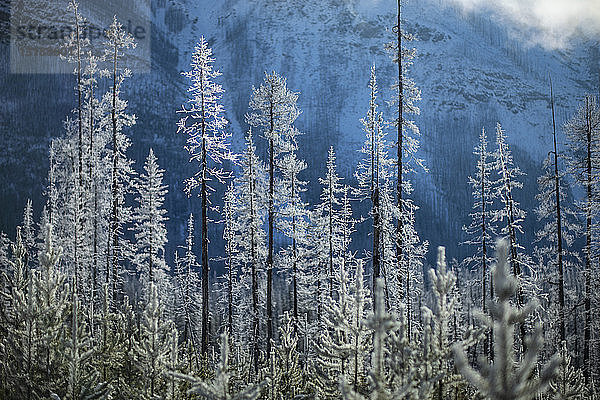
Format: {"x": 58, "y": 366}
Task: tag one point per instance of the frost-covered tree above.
{"x": 187, "y": 302}
{"x": 406, "y": 94}
{"x": 335, "y": 344}
{"x": 583, "y": 135}
{"x": 28, "y": 232}
{"x": 288, "y": 378}
{"x": 442, "y": 373}
{"x": 83, "y": 383}
{"x": 114, "y": 120}
{"x": 153, "y": 348}
{"x": 506, "y": 379}
{"x": 328, "y": 220}
{"x": 559, "y": 223}
{"x": 381, "y": 323}
{"x": 19, "y": 322}
{"x": 293, "y": 221}
{"x": 373, "y": 171}
{"x": 511, "y": 215}
{"x": 229, "y": 235}
{"x": 220, "y": 388}
{"x": 251, "y": 200}
{"x": 275, "y": 110}
{"x": 208, "y": 144}
{"x": 481, "y": 230}
{"x": 149, "y": 224}
{"x": 51, "y": 303}
{"x": 569, "y": 381}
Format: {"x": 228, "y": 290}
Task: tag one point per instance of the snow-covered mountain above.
{"x": 471, "y": 71}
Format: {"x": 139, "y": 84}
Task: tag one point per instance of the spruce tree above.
{"x": 149, "y": 224}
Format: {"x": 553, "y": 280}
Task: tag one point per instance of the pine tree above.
{"x": 83, "y": 381}
{"x": 275, "y": 110}
{"x": 504, "y": 379}
{"x": 288, "y": 380}
{"x": 114, "y": 120}
{"x": 293, "y": 222}
{"x": 329, "y": 218}
{"x": 149, "y": 225}
{"x": 219, "y": 388}
{"x": 381, "y": 323}
{"x": 510, "y": 211}
{"x": 28, "y": 232}
{"x": 187, "y": 301}
{"x": 560, "y": 224}
{"x": 19, "y": 320}
{"x": 569, "y": 381}
{"x": 582, "y": 132}
{"x": 51, "y": 306}
{"x": 153, "y": 348}
{"x": 407, "y": 145}
{"x": 373, "y": 171}
{"x": 229, "y": 235}
{"x": 251, "y": 188}
{"x": 481, "y": 230}
{"x": 335, "y": 343}
{"x": 203, "y": 124}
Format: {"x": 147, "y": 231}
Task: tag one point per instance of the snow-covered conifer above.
{"x": 208, "y": 144}
{"x": 83, "y": 383}
{"x": 288, "y": 380}
{"x": 583, "y": 141}
{"x": 153, "y": 348}
{"x": 335, "y": 344}
{"x": 251, "y": 188}
{"x": 374, "y": 170}
{"x": 481, "y": 230}
{"x": 219, "y": 388}
{"x": 114, "y": 120}
{"x": 187, "y": 302}
{"x": 505, "y": 378}
{"x": 510, "y": 214}
{"x": 150, "y": 217}
{"x": 275, "y": 110}
{"x": 568, "y": 382}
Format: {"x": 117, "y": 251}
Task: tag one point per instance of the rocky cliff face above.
{"x": 471, "y": 72}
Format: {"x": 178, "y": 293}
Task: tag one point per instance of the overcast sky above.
{"x": 549, "y": 23}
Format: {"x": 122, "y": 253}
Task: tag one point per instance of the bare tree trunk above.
{"x": 588, "y": 248}
{"x": 253, "y": 244}
{"x": 115, "y": 182}
{"x": 561, "y": 284}
{"x": 488, "y": 338}
{"x": 271, "y": 221}
{"x": 399, "y": 228}
{"x": 205, "y": 266}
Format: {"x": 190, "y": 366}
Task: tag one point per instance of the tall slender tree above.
{"x": 559, "y": 229}
{"x": 481, "y": 230}
{"x": 583, "y": 134}
{"x": 208, "y": 144}
{"x": 406, "y": 94}
{"x": 275, "y": 110}
{"x": 118, "y": 41}
{"x": 373, "y": 171}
